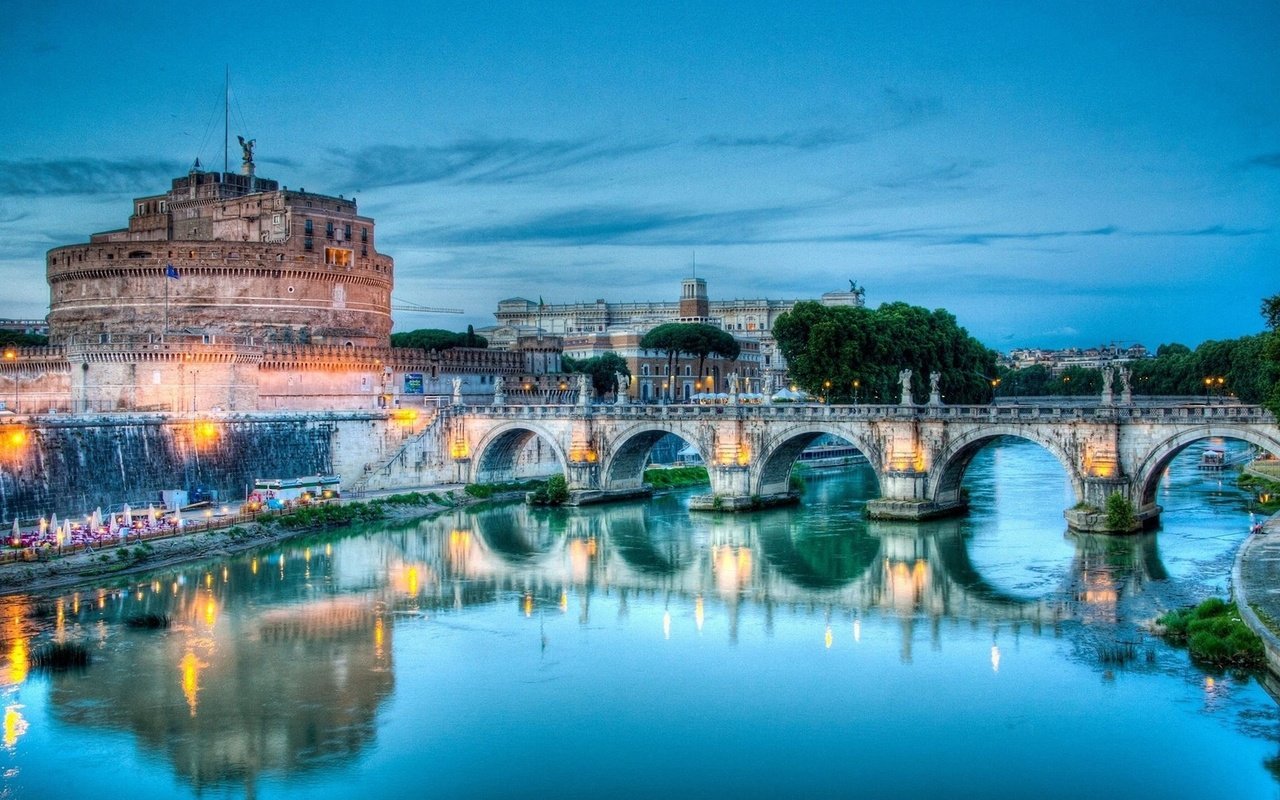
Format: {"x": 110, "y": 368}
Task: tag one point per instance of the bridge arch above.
{"x": 623, "y": 467}
{"x": 954, "y": 460}
{"x": 781, "y": 450}
{"x": 494, "y": 456}
{"x": 1156, "y": 461}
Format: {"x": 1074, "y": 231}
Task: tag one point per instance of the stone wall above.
{"x": 71, "y": 467}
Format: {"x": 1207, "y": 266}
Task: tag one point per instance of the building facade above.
{"x": 750, "y": 320}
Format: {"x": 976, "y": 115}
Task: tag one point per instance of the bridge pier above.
{"x": 1090, "y": 515}
{"x": 731, "y": 491}
{"x": 905, "y": 496}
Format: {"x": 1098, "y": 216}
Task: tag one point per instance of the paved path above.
{"x": 1256, "y": 581}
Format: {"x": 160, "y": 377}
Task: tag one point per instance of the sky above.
{"x": 1054, "y": 174}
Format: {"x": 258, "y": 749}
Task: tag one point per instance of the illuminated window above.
{"x": 337, "y": 257}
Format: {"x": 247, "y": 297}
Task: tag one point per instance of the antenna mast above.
{"x": 226, "y": 116}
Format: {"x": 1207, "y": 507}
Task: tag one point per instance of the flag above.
{"x": 170, "y": 271}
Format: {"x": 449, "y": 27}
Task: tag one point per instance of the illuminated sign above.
{"x": 413, "y": 383}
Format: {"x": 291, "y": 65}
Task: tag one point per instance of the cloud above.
{"x": 616, "y": 225}
{"x": 477, "y": 161}
{"x": 1265, "y": 161}
{"x": 71, "y": 176}
{"x": 891, "y": 110}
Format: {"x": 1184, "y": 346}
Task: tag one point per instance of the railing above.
{"x": 1152, "y": 413}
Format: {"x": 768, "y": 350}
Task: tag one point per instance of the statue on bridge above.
{"x": 584, "y": 389}
{"x": 1126, "y": 389}
{"x": 1108, "y": 377}
{"x": 457, "y": 391}
{"x": 935, "y": 394}
{"x": 904, "y": 377}
{"x": 499, "y": 392}
{"x": 621, "y": 382}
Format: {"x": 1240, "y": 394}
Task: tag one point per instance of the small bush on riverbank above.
{"x": 554, "y": 493}
{"x": 483, "y": 491}
{"x": 1215, "y": 635}
{"x": 332, "y": 514}
{"x": 670, "y": 478}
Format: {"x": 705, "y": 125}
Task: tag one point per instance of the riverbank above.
{"x": 57, "y": 572}
{"x": 1255, "y": 580}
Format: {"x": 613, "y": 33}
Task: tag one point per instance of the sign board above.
{"x": 413, "y": 383}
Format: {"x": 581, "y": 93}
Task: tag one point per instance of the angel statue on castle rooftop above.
{"x": 247, "y": 147}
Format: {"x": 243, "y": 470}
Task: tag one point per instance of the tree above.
{"x": 672, "y": 339}
{"x": 1269, "y": 350}
{"x": 603, "y": 370}
{"x": 16, "y": 339}
{"x": 438, "y": 339}
{"x": 846, "y": 351}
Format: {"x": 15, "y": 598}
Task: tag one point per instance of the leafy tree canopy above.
{"x": 603, "y": 370}
{"x": 438, "y": 339}
{"x": 847, "y": 352}
{"x": 18, "y": 339}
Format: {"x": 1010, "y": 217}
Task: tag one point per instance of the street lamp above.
{"x": 826, "y": 392}
{"x": 856, "y": 384}
{"x": 11, "y": 355}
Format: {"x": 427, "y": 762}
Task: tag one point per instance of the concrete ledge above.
{"x": 590, "y": 497}
{"x": 1092, "y": 520}
{"x": 1250, "y": 586}
{"x": 714, "y": 502}
{"x": 913, "y": 510}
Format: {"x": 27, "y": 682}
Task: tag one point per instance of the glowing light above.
{"x": 527, "y": 604}
{"x": 827, "y": 638}
{"x": 412, "y": 580}
{"x": 328, "y": 550}
{"x": 379, "y": 636}
{"x": 459, "y": 449}
{"x": 666, "y": 625}
{"x": 253, "y": 566}
{"x": 857, "y": 630}
{"x": 14, "y": 725}
{"x": 208, "y": 579}
{"x": 189, "y": 666}
{"x": 564, "y": 600}
{"x": 18, "y": 663}
{"x": 995, "y": 658}
{"x": 698, "y": 613}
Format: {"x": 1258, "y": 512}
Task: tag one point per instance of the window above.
{"x": 346, "y": 232}
{"x": 308, "y": 227}
{"x": 275, "y": 219}
{"x": 644, "y": 369}
{"x": 364, "y": 234}
{"x": 306, "y": 243}
{"x": 328, "y": 230}
{"x": 337, "y": 257}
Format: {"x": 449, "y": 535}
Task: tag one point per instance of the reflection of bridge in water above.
{"x": 911, "y": 570}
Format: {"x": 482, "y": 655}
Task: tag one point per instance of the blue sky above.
{"x": 1055, "y": 174}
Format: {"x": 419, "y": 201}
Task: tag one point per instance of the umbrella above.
{"x": 53, "y": 523}
{"x": 96, "y": 520}
{"x": 17, "y": 531}
{"x": 128, "y": 515}
{"x": 151, "y": 513}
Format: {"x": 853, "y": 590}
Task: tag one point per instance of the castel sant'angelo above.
{"x": 230, "y": 293}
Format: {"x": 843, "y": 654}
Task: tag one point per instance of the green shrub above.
{"x": 1215, "y": 635}
{"x": 662, "y": 478}
{"x": 1120, "y": 516}
{"x": 553, "y": 493}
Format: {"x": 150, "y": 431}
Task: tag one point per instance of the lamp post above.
{"x": 856, "y": 383}
{"x": 11, "y": 356}
{"x": 826, "y": 392}
{"x": 1208, "y": 384}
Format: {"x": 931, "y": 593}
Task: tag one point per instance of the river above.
{"x": 636, "y": 650}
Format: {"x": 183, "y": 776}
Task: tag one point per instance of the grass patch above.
{"x": 151, "y": 621}
{"x": 330, "y": 514}
{"x": 483, "y": 491}
{"x": 675, "y": 477}
{"x": 1215, "y": 635}
{"x": 1261, "y": 488}
{"x": 61, "y": 655}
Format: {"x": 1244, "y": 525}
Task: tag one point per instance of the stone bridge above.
{"x": 918, "y": 453}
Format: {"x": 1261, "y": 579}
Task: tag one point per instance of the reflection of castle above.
{"x": 229, "y": 292}
{"x": 231, "y": 697}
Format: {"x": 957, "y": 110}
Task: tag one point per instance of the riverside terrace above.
{"x": 918, "y": 452}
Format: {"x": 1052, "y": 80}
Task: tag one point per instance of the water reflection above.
{"x": 281, "y": 663}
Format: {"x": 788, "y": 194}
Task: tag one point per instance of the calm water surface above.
{"x": 639, "y": 651}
